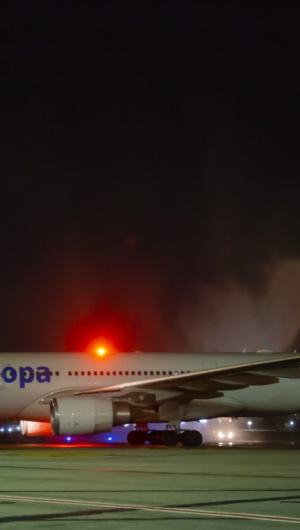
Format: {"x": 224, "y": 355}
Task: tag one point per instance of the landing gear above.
{"x": 167, "y": 437}
{"x": 136, "y": 437}
{"x": 170, "y": 438}
{"x": 191, "y": 438}
{"x": 155, "y": 437}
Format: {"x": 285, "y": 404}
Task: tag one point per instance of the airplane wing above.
{"x": 204, "y": 384}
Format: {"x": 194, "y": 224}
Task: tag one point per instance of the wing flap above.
{"x": 250, "y": 379}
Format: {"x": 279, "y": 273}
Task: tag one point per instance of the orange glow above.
{"x": 101, "y": 346}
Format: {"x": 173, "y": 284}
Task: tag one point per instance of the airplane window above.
{"x": 95, "y": 373}
{"x": 56, "y": 373}
{"x": 176, "y": 373}
{"x": 69, "y": 373}
{"x": 151, "y": 373}
{"x": 51, "y": 373}
{"x": 107, "y": 373}
{"x": 101, "y": 373}
{"x": 182, "y": 371}
{"x": 120, "y": 373}
{"x": 76, "y": 373}
{"x": 146, "y": 373}
{"x": 89, "y": 373}
{"x": 126, "y": 373}
{"x": 82, "y": 373}
{"x": 164, "y": 372}
{"x": 114, "y": 373}
{"x": 139, "y": 373}
{"x": 132, "y": 373}
{"x": 157, "y": 373}
{"x": 170, "y": 373}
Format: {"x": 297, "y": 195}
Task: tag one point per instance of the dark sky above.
{"x": 149, "y": 170}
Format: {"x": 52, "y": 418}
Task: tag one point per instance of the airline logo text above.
{"x": 26, "y": 375}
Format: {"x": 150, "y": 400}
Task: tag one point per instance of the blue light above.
{"x": 69, "y": 439}
{"x": 110, "y": 439}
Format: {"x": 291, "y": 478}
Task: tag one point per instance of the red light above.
{"x": 101, "y": 346}
{"x": 110, "y": 327}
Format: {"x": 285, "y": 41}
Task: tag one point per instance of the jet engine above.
{"x": 35, "y": 428}
{"x": 73, "y": 415}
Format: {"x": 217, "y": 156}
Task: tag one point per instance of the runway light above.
{"x": 220, "y": 435}
{"x": 249, "y": 422}
{"x": 10, "y": 429}
{"x": 2, "y": 430}
{"x": 230, "y": 435}
{"x": 291, "y": 422}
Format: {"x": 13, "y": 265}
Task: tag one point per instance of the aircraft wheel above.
{"x": 155, "y": 437}
{"x": 191, "y": 438}
{"x": 136, "y": 437}
{"x": 170, "y": 438}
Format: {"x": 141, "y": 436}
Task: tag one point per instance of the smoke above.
{"x": 231, "y": 317}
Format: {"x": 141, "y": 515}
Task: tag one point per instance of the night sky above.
{"x": 150, "y": 175}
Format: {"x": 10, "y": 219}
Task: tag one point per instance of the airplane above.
{"x": 79, "y": 393}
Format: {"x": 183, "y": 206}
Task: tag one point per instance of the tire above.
{"x": 136, "y": 437}
{"x": 170, "y": 438}
{"x": 191, "y": 438}
{"x": 155, "y": 437}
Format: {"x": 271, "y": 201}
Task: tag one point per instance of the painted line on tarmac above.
{"x": 230, "y": 515}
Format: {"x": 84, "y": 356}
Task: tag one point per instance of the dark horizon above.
{"x": 150, "y": 175}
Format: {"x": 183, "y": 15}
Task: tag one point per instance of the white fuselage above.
{"x": 29, "y": 379}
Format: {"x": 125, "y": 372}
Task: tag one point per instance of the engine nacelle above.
{"x": 35, "y": 428}
{"x": 86, "y": 415}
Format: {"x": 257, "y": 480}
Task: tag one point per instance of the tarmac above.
{"x": 117, "y": 486}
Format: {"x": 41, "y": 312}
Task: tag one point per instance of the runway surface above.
{"x": 114, "y": 487}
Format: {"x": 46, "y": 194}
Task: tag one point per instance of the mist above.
{"x": 230, "y": 317}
